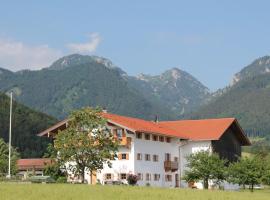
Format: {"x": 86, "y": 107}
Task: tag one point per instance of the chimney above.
{"x": 104, "y": 110}
{"x": 156, "y": 118}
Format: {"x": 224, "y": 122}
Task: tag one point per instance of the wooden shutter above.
{"x": 123, "y": 133}
{"x": 127, "y": 156}
{"x": 119, "y": 156}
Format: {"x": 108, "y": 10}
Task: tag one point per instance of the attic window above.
{"x": 147, "y": 136}
{"x": 161, "y": 138}
{"x": 155, "y": 138}
{"x": 139, "y": 135}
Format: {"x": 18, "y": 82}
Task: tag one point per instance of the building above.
{"x": 156, "y": 151}
{"x": 32, "y": 166}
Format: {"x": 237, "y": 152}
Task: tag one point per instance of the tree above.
{"x": 86, "y": 144}
{"x": 247, "y": 171}
{"x": 132, "y": 179}
{"x": 4, "y": 158}
{"x": 205, "y": 166}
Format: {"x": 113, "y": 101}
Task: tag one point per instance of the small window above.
{"x": 147, "y": 136}
{"x": 167, "y": 157}
{"x": 155, "y": 158}
{"x": 139, "y": 156}
{"x": 139, "y": 135}
{"x": 147, "y": 157}
{"x": 168, "y": 178}
{"x": 161, "y": 138}
{"x": 156, "y": 177}
{"x": 154, "y": 137}
{"x": 140, "y": 176}
{"x": 108, "y": 176}
{"x": 123, "y": 176}
{"x": 124, "y": 156}
{"x": 168, "y": 139}
{"x": 148, "y": 177}
{"x": 119, "y": 133}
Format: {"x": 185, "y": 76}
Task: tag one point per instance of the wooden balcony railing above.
{"x": 170, "y": 165}
{"x": 125, "y": 141}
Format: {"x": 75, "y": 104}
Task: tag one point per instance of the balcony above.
{"x": 125, "y": 141}
{"x": 170, "y": 166}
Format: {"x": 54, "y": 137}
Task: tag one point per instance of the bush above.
{"x": 61, "y": 179}
{"x": 132, "y": 179}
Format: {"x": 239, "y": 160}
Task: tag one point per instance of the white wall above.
{"x": 158, "y": 148}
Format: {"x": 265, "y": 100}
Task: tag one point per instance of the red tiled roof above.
{"x": 37, "y": 163}
{"x": 204, "y": 129}
{"x": 140, "y": 125}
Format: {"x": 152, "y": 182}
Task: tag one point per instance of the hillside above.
{"x": 75, "y": 81}
{"x": 175, "y": 89}
{"x": 247, "y": 99}
{"x": 26, "y": 124}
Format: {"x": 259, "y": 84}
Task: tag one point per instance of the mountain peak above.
{"x": 77, "y": 59}
{"x": 257, "y": 67}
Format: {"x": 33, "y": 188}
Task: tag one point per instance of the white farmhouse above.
{"x": 156, "y": 151}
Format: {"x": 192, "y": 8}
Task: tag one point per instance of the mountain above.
{"x": 75, "y": 81}
{"x": 176, "y": 89}
{"x": 258, "y": 67}
{"x": 26, "y": 123}
{"x": 247, "y": 99}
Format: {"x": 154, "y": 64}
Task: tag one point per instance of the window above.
{"x": 147, "y": 157}
{"x": 139, "y": 135}
{"x": 155, "y": 158}
{"x": 108, "y": 176}
{"x": 148, "y": 177}
{"x": 168, "y": 178}
{"x": 139, "y": 156}
{"x": 147, "y": 136}
{"x": 119, "y": 133}
{"x": 167, "y": 157}
{"x": 123, "y": 176}
{"x": 176, "y": 159}
{"x": 154, "y": 137}
{"x": 123, "y": 156}
{"x": 168, "y": 139}
{"x": 140, "y": 176}
{"x": 161, "y": 138}
{"x": 156, "y": 177}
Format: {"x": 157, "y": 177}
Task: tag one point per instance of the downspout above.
{"x": 179, "y": 149}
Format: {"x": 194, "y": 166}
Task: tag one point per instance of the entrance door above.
{"x": 176, "y": 180}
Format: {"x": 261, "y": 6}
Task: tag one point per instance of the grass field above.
{"x": 85, "y": 192}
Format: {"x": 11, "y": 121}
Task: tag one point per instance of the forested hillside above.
{"x": 26, "y": 123}
{"x": 75, "y": 81}
{"x": 247, "y": 99}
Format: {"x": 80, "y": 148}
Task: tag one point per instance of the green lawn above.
{"x": 80, "y": 192}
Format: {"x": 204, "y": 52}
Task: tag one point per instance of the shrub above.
{"x": 132, "y": 179}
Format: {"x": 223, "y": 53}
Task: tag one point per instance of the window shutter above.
{"x": 114, "y": 133}
{"x": 119, "y": 156}
{"x": 127, "y": 156}
{"x": 123, "y": 133}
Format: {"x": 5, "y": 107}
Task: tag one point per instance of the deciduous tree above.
{"x": 4, "y": 158}
{"x": 86, "y": 144}
{"x": 204, "y": 166}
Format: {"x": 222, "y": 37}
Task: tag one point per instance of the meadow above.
{"x": 11, "y": 191}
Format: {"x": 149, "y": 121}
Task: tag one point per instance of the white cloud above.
{"x": 88, "y": 47}
{"x": 15, "y": 55}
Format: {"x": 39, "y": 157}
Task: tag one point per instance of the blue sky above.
{"x": 212, "y": 40}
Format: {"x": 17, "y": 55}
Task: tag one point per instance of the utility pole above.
{"x": 9, "y": 143}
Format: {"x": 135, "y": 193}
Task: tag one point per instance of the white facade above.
{"x": 152, "y": 172}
